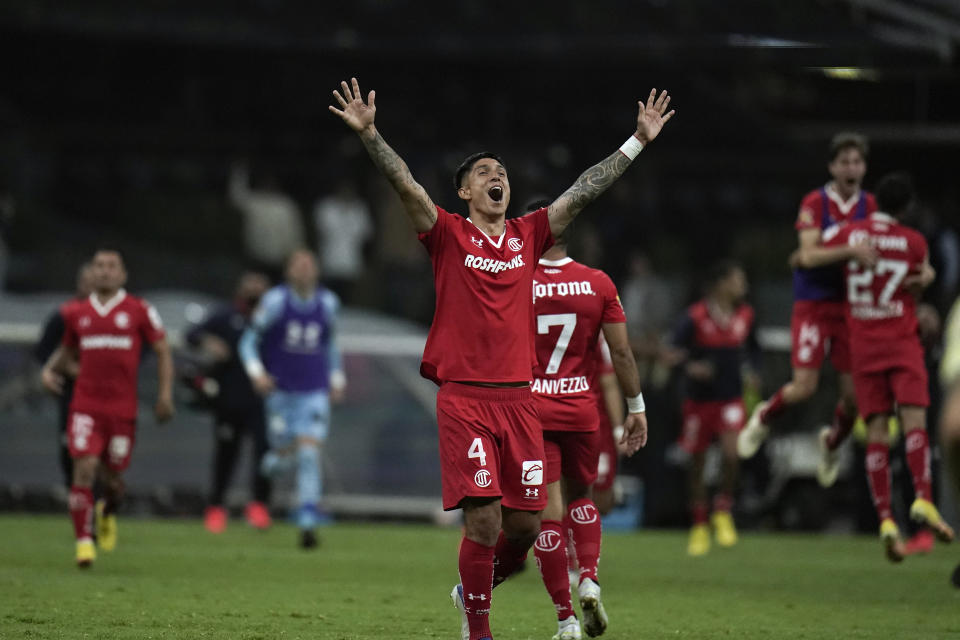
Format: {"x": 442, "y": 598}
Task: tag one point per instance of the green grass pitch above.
{"x": 170, "y": 579}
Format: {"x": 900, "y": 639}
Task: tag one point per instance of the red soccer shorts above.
{"x": 815, "y": 328}
{"x": 491, "y": 444}
{"x": 607, "y": 458}
{"x": 107, "y": 437}
{"x": 703, "y": 421}
{"x": 878, "y": 390}
{"x": 571, "y": 454}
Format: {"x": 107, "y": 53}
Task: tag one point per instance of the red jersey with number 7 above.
{"x": 109, "y": 338}
{"x": 571, "y": 303}
{"x": 881, "y": 313}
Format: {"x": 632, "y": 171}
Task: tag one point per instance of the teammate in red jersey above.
{"x": 480, "y": 346}
{"x": 817, "y": 327}
{"x": 105, "y": 334}
{"x": 573, "y": 303}
{"x": 886, "y": 354}
{"x": 714, "y": 340}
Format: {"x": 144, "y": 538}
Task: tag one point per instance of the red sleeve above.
{"x": 151, "y": 326}
{"x": 69, "y": 326}
{"x": 543, "y": 237}
{"x": 612, "y": 309}
{"x": 434, "y": 238}
{"x": 871, "y": 203}
{"x": 811, "y": 212}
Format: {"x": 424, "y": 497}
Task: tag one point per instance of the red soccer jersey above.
{"x": 571, "y": 302}
{"x": 109, "y": 338}
{"x": 881, "y": 313}
{"x": 482, "y": 324}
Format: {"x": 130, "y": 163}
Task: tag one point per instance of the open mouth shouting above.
{"x": 496, "y": 193}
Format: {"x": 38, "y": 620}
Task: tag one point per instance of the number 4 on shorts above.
{"x": 476, "y": 451}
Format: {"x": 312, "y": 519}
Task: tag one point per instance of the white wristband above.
{"x": 254, "y": 369}
{"x": 631, "y": 148}
{"x": 338, "y": 380}
{"x": 635, "y": 404}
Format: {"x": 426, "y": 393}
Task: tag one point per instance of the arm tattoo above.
{"x": 398, "y": 173}
{"x": 589, "y": 185}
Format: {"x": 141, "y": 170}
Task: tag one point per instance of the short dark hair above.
{"x": 895, "y": 193}
{"x": 467, "y": 165}
{"x": 108, "y": 248}
{"x": 721, "y": 270}
{"x": 849, "y": 140}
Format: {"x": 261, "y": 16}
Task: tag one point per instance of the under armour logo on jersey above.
{"x": 479, "y": 242}
{"x": 532, "y": 493}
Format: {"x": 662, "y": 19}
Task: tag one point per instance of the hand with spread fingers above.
{"x": 358, "y": 115}
{"x": 653, "y": 116}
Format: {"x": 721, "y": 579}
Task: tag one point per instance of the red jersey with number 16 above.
{"x": 881, "y": 313}
{"x": 572, "y": 302}
{"x": 482, "y": 328}
{"x": 109, "y": 338}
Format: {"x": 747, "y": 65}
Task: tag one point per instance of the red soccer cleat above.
{"x": 257, "y": 515}
{"x": 922, "y": 542}
{"x": 215, "y": 519}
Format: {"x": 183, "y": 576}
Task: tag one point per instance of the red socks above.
{"x": 583, "y": 522}
{"x": 723, "y": 502}
{"x": 917, "y": 446}
{"x": 699, "y": 512}
{"x": 81, "y": 511}
{"x": 507, "y": 558}
{"x": 476, "y": 578}
{"x": 878, "y": 473}
{"x": 842, "y": 426}
{"x": 550, "y": 550}
{"x": 775, "y": 406}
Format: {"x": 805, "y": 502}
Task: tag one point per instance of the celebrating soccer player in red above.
{"x": 104, "y": 334}
{"x": 572, "y": 303}
{"x": 817, "y": 326}
{"x": 715, "y": 339}
{"x": 480, "y": 347}
{"x": 886, "y": 354}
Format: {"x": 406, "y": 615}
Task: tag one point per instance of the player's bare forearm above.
{"x": 810, "y": 257}
{"x": 164, "y": 369}
{"x": 419, "y": 206}
{"x": 612, "y": 398}
{"x": 585, "y": 190}
{"x": 624, "y": 364}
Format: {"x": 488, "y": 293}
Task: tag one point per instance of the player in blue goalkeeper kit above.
{"x": 291, "y": 355}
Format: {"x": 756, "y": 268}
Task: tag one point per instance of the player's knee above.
{"x": 804, "y": 387}
{"x": 84, "y": 471}
{"x": 482, "y": 521}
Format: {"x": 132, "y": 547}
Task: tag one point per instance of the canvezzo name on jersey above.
{"x": 551, "y": 289}
{"x": 106, "y": 342}
{"x": 558, "y": 386}
{"x": 490, "y": 265}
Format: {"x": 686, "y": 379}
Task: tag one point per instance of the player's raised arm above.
{"x": 624, "y": 364}
{"x": 598, "y": 178}
{"x": 359, "y": 116}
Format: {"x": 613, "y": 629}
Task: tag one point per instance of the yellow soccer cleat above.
{"x": 924, "y": 511}
{"x": 106, "y": 528}
{"x": 699, "y": 543}
{"x": 723, "y": 528}
{"x": 86, "y": 553}
{"x": 892, "y": 544}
